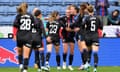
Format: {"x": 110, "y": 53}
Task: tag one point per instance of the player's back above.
{"x": 24, "y": 22}
{"x": 92, "y": 23}
{"x": 53, "y": 28}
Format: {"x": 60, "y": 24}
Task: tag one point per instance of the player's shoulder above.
{"x": 55, "y": 22}
{"x": 29, "y": 15}
{"x": 63, "y": 18}
{"x": 87, "y": 17}
{"x": 18, "y": 16}
{"x": 47, "y": 24}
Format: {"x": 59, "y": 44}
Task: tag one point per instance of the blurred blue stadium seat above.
{"x": 112, "y": 8}
{"x": 8, "y": 7}
{"x": 7, "y": 19}
{"x": 45, "y": 2}
{"x": 19, "y": 0}
{"x": 4, "y": 0}
{"x": 30, "y": 8}
{"x": 3, "y": 10}
{"x": 57, "y": 2}
{"x": 32, "y": 0}
{"x": 12, "y": 9}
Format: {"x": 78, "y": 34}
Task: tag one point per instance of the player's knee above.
{"x": 96, "y": 44}
{"x": 48, "y": 39}
{"x": 20, "y": 51}
{"x": 72, "y": 52}
{"x": 48, "y": 43}
{"x": 57, "y": 44}
{"x": 57, "y": 51}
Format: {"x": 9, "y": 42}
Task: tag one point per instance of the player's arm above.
{"x": 47, "y": 27}
{"x": 100, "y": 28}
{"x": 43, "y": 29}
{"x": 78, "y": 24}
{"x": 69, "y": 29}
{"x": 84, "y": 22}
{"x": 14, "y": 33}
{"x": 15, "y": 27}
{"x": 48, "y": 38}
{"x": 61, "y": 30}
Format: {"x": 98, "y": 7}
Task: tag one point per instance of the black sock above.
{"x": 42, "y": 58}
{"x": 64, "y": 57}
{"x": 89, "y": 56}
{"x": 48, "y": 56}
{"x": 70, "y": 59}
{"x": 20, "y": 59}
{"x": 82, "y": 56}
{"x": 58, "y": 59}
{"x": 95, "y": 60}
{"x": 38, "y": 64}
{"x": 26, "y": 62}
{"x": 37, "y": 56}
{"x": 85, "y": 55}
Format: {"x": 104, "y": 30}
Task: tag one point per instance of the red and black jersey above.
{"x": 64, "y": 21}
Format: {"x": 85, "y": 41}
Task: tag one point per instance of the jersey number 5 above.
{"x": 26, "y": 24}
{"x": 93, "y": 25}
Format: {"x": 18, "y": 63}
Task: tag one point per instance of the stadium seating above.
{"x": 8, "y": 7}
{"x": 112, "y": 8}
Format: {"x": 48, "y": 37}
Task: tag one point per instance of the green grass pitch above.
{"x": 53, "y": 69}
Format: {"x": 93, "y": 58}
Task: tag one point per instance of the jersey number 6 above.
{"x": 93, "y": 25}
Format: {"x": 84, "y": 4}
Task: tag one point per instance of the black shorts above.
{"x": 20, "y": 43}
{"x": 68, "y": 40}
{"x": 20, "y": 40}
{"x": 24, "y": 38}
{"x": 80, "y": 37}
{"x": 55, "y": 40}
{"x": 36, "y": 40}
{"x": 91, "y": 38}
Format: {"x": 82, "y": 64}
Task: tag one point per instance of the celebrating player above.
{"x": 53, "y": 27}
{"x": 68, "y": 35}
{"x": 92, "y": 24}
{"x": 41, "y": 49}
{"x": 18, "y": 37}
{"x": 23, "y": 23}
{"x": 37, "y": 32}
{"x": 79, "y": 29}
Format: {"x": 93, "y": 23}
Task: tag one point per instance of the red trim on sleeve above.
{"x": 60, "y": 32}
{"x": 100, "y": 33}
{"x": 14, "y": 31}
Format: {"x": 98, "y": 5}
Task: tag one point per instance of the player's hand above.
{"x": 117, "y": 22}
{"x": 68, "y": 29}
{"x": 48, "y": 39}
{"x": 76, "y": 29}
{"x": 14, "y": 38}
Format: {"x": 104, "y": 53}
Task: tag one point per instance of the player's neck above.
{"x": 91, "y": 14}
